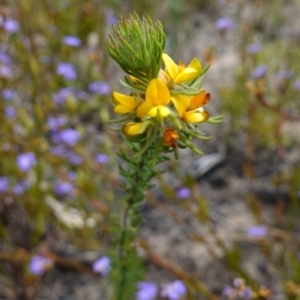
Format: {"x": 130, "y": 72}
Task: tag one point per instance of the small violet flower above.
{"x": 296, "y": 85}
{"x": 284, "y": 75}
{"x": 62, "y": 95}
{"x": 146, "y": 291}
{"x": 257, "y": 231}
{"x": 225, "y": 24}
{"x": 101, "y": 158}
{"x": 254, "y": 48}
{"x": 260, "y": 71}
{"x": 39, "y": 264}
{"x": 4, "y": 185}
{"x": 75, "y": 159}
{"x": 5, "y": 58}
{"x": 20, "y": 187}
{"x": 60, "y": 150}
{"x": 228, "y": 291}
{"x": 8, "y": 94}
{"x": 246, "y": 293}
{"x": 64, "y": 188}
{"x": 72, "y": 175}
{"x": 110, "y": 17}
{"x": 10, "y": 112}
{"x": 26, "y": 161}
{"x": 66, "y": 70}
{"x": 72, "y": 41}
{"x": 99, "y": 87}
{"x": 173, "y": 290}
{"x": 10, "y": 25}
{"x": 101, "y": 266}
{"x": 240, "y": 290}
{"x": 67, "y": 136}
{"x": 183, "y": 193}
{"x": 56, "y": 123}
{"x": 238, "y": 283}
{"x": 6, "y": 71}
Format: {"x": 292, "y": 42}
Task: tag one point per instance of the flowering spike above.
{"x": 137, "y": 45}
{"x": 165, "y": 102}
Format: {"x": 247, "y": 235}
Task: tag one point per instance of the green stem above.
{"x": 127, "y": 264}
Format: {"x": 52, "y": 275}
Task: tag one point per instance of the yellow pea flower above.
{"x": 199, "y": 100}
{"x": 195, "y": 112}
{"x": 157, "y": 96}
{"x": 181, "y": 103}
{"x": 180, "y": 73}
{"x": 132, "y": 128}
{"x": 124, "y": 104}
{"x": 198, "y": 115}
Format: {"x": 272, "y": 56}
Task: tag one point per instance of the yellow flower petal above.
{"x": 159, "y": 111}
{"x": 186, "y": 75}
{"x": 132, "y": 128}
{"x": 195, "y": 116}
{"x": 195, "y": 64}
{"x": 143, "y": 110}
{"x": 121, "y": 109}
{"x": 171, "y": 67}
{"x": 157, "y": 93}
{"x": 181, "y": 103}
{"x": 127, "y": 101}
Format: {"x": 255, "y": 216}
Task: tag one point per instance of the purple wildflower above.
{"x": 183, "y": 193}
{"x": 67, "y": 136}
{"x": 8, "y": 94}
{"x": 11, "y": 25}
{"x": 72, "y": 41}
{"x": 66, "y": 70}
{"x": 101, "y": 158}
{"x": 260, "y": 71}
{"x": 296, "y": 85}
{"x": 62, "y": 95}
{"x": 110, "y": 17}
{"x": 59, "y": 150}
{"x": 246, "y": 293}
{"x": 146, "y": 291}
{"x": 81, "y": 94}
{"x": 284, "y": 75}
{"x": 26, "y": 161}
{"x": 75, "y": 159}
{"x": 39, "y": 264}
{"x": 99, "y": 87}
{"x": 6, "y": 71}
{"x": 257, "y": 231}
{"x": 10, "y": 112}
{"x": 56, "y": 123}
{"x": 64, "y": 188}
{"x": 20, "y": 187}
{"x": 228, "y": 291}
{"x": 72, "y": 175}
{"x": 225, "y": 24}
{"x": 101, "y": 266}
{"x": 5, "y": 58}
{"x": 173, "y": 290}
{"x": 238, "y": 283}
{"x": 253, "y": 48}
{"x": 4, "y": 184}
